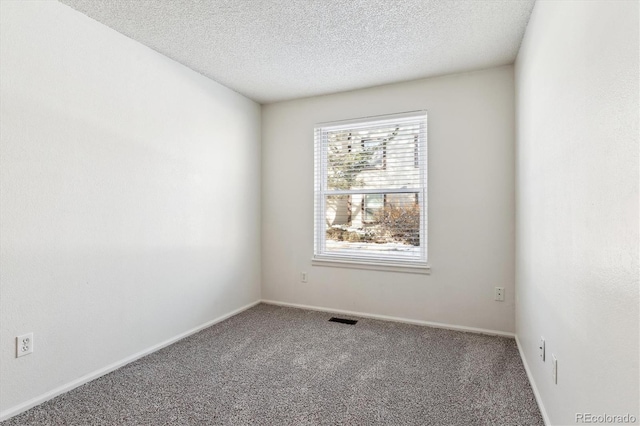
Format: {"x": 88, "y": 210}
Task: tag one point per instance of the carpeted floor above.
{"x": 281, "y": 366}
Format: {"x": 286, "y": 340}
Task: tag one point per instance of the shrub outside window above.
{"x": 371, "y": 190}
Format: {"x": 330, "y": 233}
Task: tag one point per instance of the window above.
{"x": 371, "y": 192}
{"x": 378, "y": 149}
{"x": 372, "y": 207}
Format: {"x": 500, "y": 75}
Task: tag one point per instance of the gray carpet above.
{"x": 280, "y": 366}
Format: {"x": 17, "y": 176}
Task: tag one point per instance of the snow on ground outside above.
{"x": 387, "y": 248}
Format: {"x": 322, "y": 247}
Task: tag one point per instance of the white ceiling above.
{"x": 272, "y": 50}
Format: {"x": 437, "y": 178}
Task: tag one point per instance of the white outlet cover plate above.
{"x": 24, "y": 345}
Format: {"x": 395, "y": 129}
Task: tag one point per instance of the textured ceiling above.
{"x": 272, "y": 50}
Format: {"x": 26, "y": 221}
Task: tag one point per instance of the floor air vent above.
{"x": 343, "y": 320}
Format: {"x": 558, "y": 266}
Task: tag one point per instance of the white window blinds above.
{"x": 371, "y": 190}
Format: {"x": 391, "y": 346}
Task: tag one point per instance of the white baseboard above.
{"x": 545, "y": 417}
{"x": 394, "y": 319}
{"x": 10, "y": 412}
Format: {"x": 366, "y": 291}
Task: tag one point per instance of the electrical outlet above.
{"x": 303, "y": 277}
{"x": 499, "y": 294}
{"x": 554, "y": 369}
{"x": 24, "y": 345}
{"x": 542, "y": 348}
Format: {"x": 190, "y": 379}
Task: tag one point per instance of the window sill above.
{"x": 372, "y": 266}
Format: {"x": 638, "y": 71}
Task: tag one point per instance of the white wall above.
{"x": 577, "y": 205}
{"x": 129, "y": 198}
{"x": 471, "y": 203}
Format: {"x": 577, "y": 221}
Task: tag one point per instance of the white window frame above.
{"x": 363, "y": 260}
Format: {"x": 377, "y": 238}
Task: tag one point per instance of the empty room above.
{"x": 319, "y": 212}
